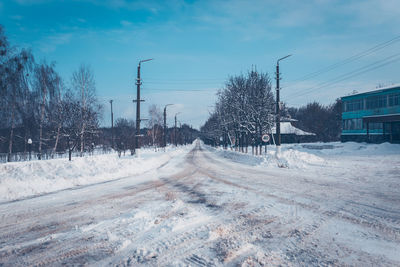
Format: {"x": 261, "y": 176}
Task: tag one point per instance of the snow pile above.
{"x": 239, "y": 157}
{"x": 293, "y": 158}
{"x": 353, "y": 148}
{"x": 25, "y": 179}
{"x": 289, "y": 158}
{"x": 304, "y": 156}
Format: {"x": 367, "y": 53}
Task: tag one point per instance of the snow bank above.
{"x": 293, "y": 158}
{"x": 350, "y": 148}
{"x": 25, "y": 179}
{"x": 290, "y": 158}
{"x": 239, "y": 157}
{"x": 303, "y": 156}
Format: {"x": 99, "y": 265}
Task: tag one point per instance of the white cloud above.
{"x": 376, "y": 12}
{"x": 126, "y": 23}
{"x": 151, "y": 6}
{"x": 31, "y": 2}
{"x": 50, "y": 43}
{"x": 16, "y": 17}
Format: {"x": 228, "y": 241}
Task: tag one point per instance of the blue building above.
{"x": 372, "y": 116}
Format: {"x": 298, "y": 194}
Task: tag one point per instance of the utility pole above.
{"x": 176, "y": 144}
{"x": 278, "y": 108}
{"x": 165, "y": 125}
{"x": 138, "y": 100}
{"x": 112, "y": 126}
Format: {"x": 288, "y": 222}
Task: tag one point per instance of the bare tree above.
{"x": 58, "y": 117}
{"x": 46, "y": 80}
{"x": 84, "y": 84}
{"x": 71, "y": 126}
{"x": 14, "y": 69}
{"x": 155, "y": 125}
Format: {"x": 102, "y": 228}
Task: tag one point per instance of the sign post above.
{"x": 265, "y": 138}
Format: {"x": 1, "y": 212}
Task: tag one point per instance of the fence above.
{"x": 49, "y": 154}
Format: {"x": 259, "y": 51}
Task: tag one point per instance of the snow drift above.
{"x": 25, "y": 179}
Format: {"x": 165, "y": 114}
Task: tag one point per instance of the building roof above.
{"x": 288, "y": 128}
{"x": 379, "y": 90}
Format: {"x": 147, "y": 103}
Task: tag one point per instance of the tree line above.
{"x": 152, "y": 135}
{"x": 42, "y": 113}
{"x": 323, "y": 120}
{"x": 245, "y": 110}
{"x": 37, "y": 104}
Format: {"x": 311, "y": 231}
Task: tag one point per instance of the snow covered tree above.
{"x": 244, "y": 110}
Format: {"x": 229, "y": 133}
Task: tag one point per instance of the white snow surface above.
{"x": 319, "y": 204}
{"x": 30, "y": 178}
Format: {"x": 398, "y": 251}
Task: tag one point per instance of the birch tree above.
{"x": 84, "y": 85}
{"x": 46, "y": 85}
{"x": 155, "y": 124}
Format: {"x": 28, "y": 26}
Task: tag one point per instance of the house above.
{"x": 372, "y": 116}
{"x": 291, "y": 134}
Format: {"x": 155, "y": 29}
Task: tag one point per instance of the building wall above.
{"x": 379, "y": 102}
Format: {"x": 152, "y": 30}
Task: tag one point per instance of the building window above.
{"x": 376, "y": 125}
{"x": 352, "y": 124}
{"x": 354, "y": 105}
{"x": 374, "y": 102}
{"x": 394, "y": 99}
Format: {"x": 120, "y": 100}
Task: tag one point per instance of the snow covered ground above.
{"x": 31, "y": 178}
{"x": 331, "y": 204}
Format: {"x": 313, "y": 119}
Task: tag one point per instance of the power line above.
{"x": 378, "y": 64}
{"x": 354, "y": 71}
{"x": 182, "y": 82}
{"x": 178, "y": 90}
{"x": 347, "y": 60}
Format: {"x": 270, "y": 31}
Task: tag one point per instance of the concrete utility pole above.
{"x": 165, "y": 124}
{"x": 176, "y": 144}
{"x": 278, "y": 108}
{"x": 112, "y": 126}
{"x": 138, "y": 100}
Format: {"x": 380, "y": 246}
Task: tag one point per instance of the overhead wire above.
{"x": 347, "y": 60}
{"x": 378, "y": 64}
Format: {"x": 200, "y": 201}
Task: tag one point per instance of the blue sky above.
{"x": 197, "y": 45}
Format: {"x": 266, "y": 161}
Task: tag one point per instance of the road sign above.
{"x": 265, "y": 138}
{"x": 233, "y": 140}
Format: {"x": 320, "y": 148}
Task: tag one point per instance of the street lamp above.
{"x": 29, "y": 147}
{"x": 165, "y": 125}
{"x": 138, "y": 100}
{"x": 112, "y": 125}
{"x": 278, "y": 115}
{"x": 176, "y": 144}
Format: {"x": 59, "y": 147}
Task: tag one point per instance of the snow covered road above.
{"x": 201, "y": 209}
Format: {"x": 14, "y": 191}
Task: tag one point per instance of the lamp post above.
{"x": 278, "y": 108}
{"x": 29, "y": 147}
{"x": 112, "y": 125}
{"x": 176, "y": 144}
{"x": 165, "y": 125}
{"x": 138, "y": 100}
